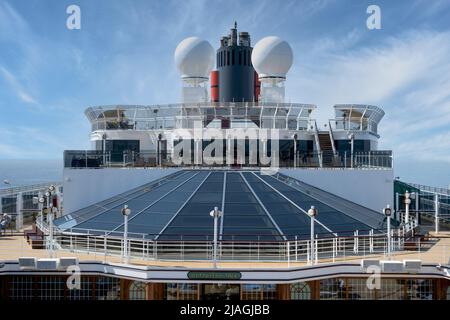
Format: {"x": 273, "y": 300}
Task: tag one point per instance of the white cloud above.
{"x": 407, "y": 75}
{"x": 17, "y": 87}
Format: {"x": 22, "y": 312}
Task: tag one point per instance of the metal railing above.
{"x": 28, "y": 188}
{"x": 338, "y": 249}
{"x": 292, "y": 116}
{"x": 144, "y": 246}
{"x": 429, "y": 189}
{"x": 149, "y": 159}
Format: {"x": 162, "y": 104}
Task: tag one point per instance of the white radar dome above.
{"x": 194, "y": 58}
{"x": 272, "y": 57}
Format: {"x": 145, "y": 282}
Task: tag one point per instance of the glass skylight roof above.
{"x": 254, "y": 206}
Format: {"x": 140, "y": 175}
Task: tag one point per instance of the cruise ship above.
{"x": 233, "y": 193}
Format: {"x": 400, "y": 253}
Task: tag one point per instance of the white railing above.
{"x": 142, "y": 246}
{"x": 316, "y": 137}
{"x": 28, "y": 188}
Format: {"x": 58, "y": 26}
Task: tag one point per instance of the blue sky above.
{"x": 123, "y": 54}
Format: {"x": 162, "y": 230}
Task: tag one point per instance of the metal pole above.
{"x": 351, "y": 160}
{"x": 215, "y": 242}
{"x": 104, "y": 150}
{"x": 295, "y": 153}
{"x": 406, "y": 212}
{"x": 345, "y": 159}
{"x": 407, "y": 203}
{"x": 436, "y": 213}
{"x": 48, "y": 208}
{"x": 19, "y": 211}
{"x": 312, "y": 240}
{"x": 215, "y": 214}
{"x": 389, "y": 236}
{"x": 397, "y": 206}
{"x": 50, "y": 232}
{"x": 125, "y": 239}
{"x": 41, "y": 210}
{"x": 417, "y": 207}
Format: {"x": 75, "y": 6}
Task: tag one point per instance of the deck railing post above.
{"x": 105, "y": 246}
{"x": 334, "y": 248}
{"x": 316, "y": 250}
{"x": 308, "y": 256}
{"x": 371, "y": 241}
{"x": 71, "y": 241}
{"x": 436, "y": 213}
{"x": 88, "y": 242}
{"x": 143, "y": 246}
{"x": 355, "y": 242}
{"x": 288, "y": 253}
{"x": 258, "y": 248}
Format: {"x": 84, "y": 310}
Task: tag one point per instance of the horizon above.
{"x": 123, "y": 54}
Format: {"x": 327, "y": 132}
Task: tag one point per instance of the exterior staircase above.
{"x": 327, "y": 149}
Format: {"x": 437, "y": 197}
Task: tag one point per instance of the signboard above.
{"x": 214, "y": 275}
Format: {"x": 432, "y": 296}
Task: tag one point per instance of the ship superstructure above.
{"x": 232, "y": 193}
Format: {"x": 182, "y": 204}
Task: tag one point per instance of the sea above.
{"x": 15, "y": 173}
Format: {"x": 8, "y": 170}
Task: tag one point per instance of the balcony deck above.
{"x": 13, "y": 247}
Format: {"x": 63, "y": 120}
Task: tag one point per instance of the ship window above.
{"x": 258, "y": 291}
{"x": 181, "y": 291}
{"x": 300, "y": 291}
{"x": 245, "y": 57}
{"x": 228, "y": 58}
{"x": 240, "y": 57}
{"x": 137, "y": 291}
{"x": 232, "y": 57}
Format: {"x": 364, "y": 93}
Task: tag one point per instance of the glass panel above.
{"x": 300, "y": 291}
{"x": 137, "y": 291}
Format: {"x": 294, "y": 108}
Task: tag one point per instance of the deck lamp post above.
{"x": 312, "y": 213}
{"x": 159, "y": 149}
{"x": 351, "y": 136}
{"x": 50, "y": 228}
{"x": 41, "y": 201}
{"x": 388, "y": 212}
{"x": 216, "y": 214}
{"x": 295, "y": 149}
{"x": 48, "y": 196}
{"x": 125, "y": 212}
{"x": 436, "y": 213}
{"x": 104, "y": 136}
{"x": 407, "y": 203}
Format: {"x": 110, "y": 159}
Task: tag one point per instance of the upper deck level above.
{"x": 289, "y": 116}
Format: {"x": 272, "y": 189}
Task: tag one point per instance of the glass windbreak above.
{"x": 290, "y": 219}
{"x": 244, "y": 217}
{"x": 193, "y": 221}
{"x": 254, "y": 207}
{"x": 332, "y": 218}
{"x": 109, "y": 219}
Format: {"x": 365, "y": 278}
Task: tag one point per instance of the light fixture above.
{"x": 312, "y": 212}
{"x": 126, "y": 211}
{"x": 387, "y": 211}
